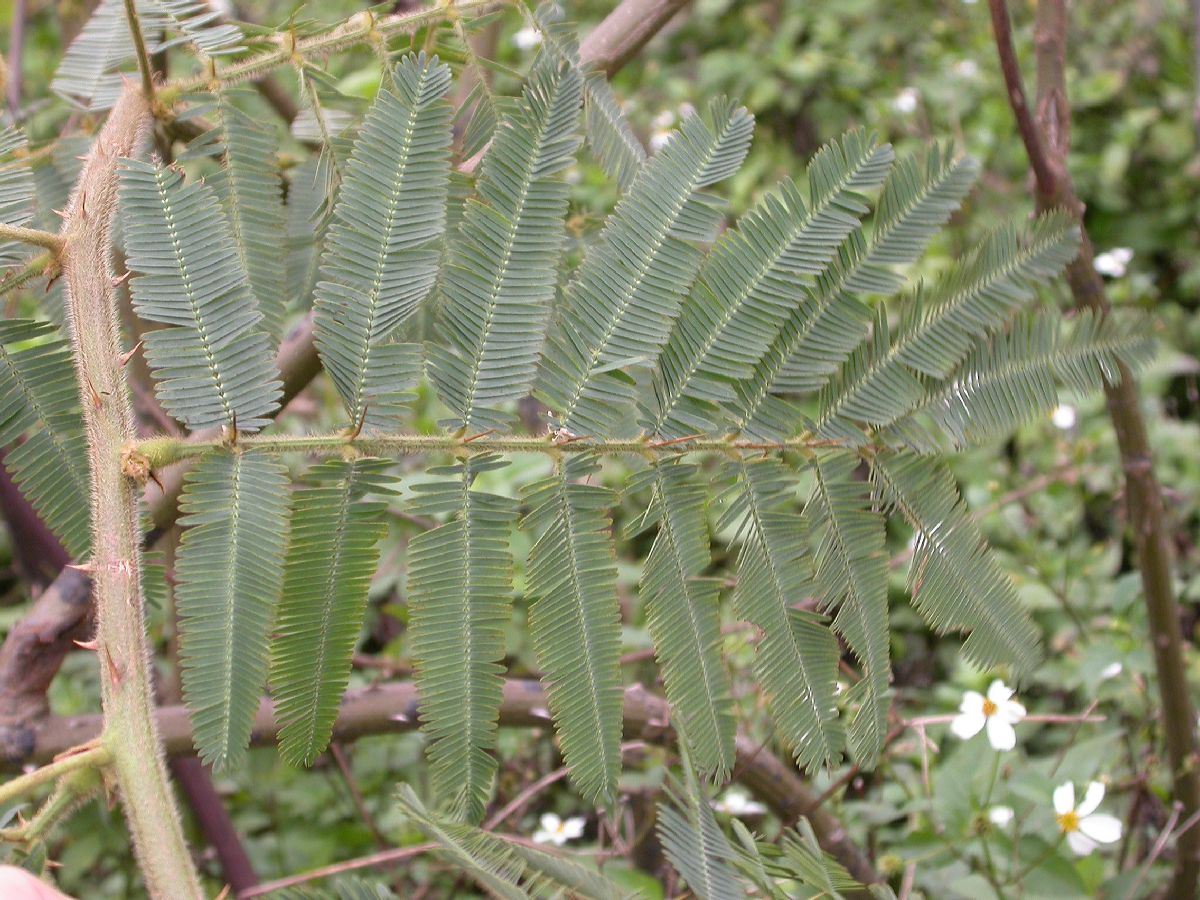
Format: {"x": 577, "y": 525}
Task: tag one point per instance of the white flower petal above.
{"x": 1080, "y": 843}
{"x": 573, "y": 827}
{"x": 1091, "y": 799}
{"x": 549, "y": 822}
{"x": 1012, "y": 712}
{"x": 1064, "y": 417}
{"x": 1000, "y": 815}
{"x": 967, "y": 725}
{"x": 1112, "y": 670}
{"x": 1101, "y": 828}
{"x": 547, "y": 837}
{"x": 1123, "y": 255}
{"x": 1000, "y": 734}
{"x": 972, "y": 702}
{"x": 999, "y": 693}
{"x": 1064, "y": 798}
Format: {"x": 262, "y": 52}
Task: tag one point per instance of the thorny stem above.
{"x": 362, "y": 27}
{"x": 164, "y": 451}
{"x": 130, "y": 734}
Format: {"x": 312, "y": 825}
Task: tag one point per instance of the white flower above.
{"x": 998, "y": 711}
{"x": 966, "y": 68}
{"x": 553, "y": 830}
{"x": 1114, "y": 262}
{"x": 658, "y": 140}
{"x": 1112, "y": 670}
{"x": 738, "y": 803}
{"x": 905, "y": 101}
{"x": 664, "y": 119}
{"x": 527, "y": 38}
{"x": 1085, "y": 828}
{"x": 1064, "y": 417}
{"x": 1000, "y": 816}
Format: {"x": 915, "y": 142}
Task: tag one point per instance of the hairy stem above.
{"x": 31, "y": 236}
{"x": 129, "y": 732}
{"x": 93, "y": 757}
{"x": 363, "y": 27}
{"x": 164, "y": 451}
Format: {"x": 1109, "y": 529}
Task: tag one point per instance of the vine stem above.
{"x": 130, "y": 733}
{"x": 164, "y": 451}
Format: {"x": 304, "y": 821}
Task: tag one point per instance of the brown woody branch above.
{"x": 1047, "y": 140}
{"x": 392, "y": 707}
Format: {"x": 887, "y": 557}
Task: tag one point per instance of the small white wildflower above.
{"x": 966, "y": 68}
{"x": 553, "y": 830}
{"x": 658, "y": 140}
{"x": 1114, "y": 262}
{"x": 1064, "y": 417}
{"x": 1000, "y": 816}
{"x": 664, "y": 119}
{"x": 738, "y": 803}
{"x": 997, "y": 711}
{"x": 1112, "y": 670}
{"x": 906, "y": 101}
{"x": 1085, "y": 828}
{"x": 527, "y": 38}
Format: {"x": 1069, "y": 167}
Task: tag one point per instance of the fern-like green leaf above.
{"x": 609, "y": 138}
{"x": 332, "y": 554}
{"x": 308, "y": 214}
{"x": 821, "y": 330}
{"x": 503, "y": 263}
{"x": 40, "y": 401}
{"x": 753, "y": 279}
{"x": 1014, "y": 377}
{"x": 694, "y": 843}
{"x": 16, "y": 193}
{"x": 229, "y": 568}
{"x": 253, "y": 194}
{"x": 797, "y": 659}
{"x": 460, "y": 596}
{"x": 88, "y": 73}
{"x": 620, "y": 308}
{"x": 881, "y": 383}
{"x": 683, "y": 616}
{"x": 384, "y": 243}
{"x": 575, "y": 622}
{"x": 503, "y": 868}
{"x": 851, "y": 577}
{"x": 954, "y": 579}
{"x": 214, "y": 363}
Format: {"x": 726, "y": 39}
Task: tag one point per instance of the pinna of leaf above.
{"x": 794, "y": 330}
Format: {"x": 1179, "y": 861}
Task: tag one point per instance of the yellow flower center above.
{"x": 1068, "y": 822}
{"x": 989, "y": 708}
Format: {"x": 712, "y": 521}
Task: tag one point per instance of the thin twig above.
{"x": 139, "y": 46}
{"x": 356, "y": 795}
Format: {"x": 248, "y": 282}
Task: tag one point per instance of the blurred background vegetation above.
{"x": 913, "y": 71}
